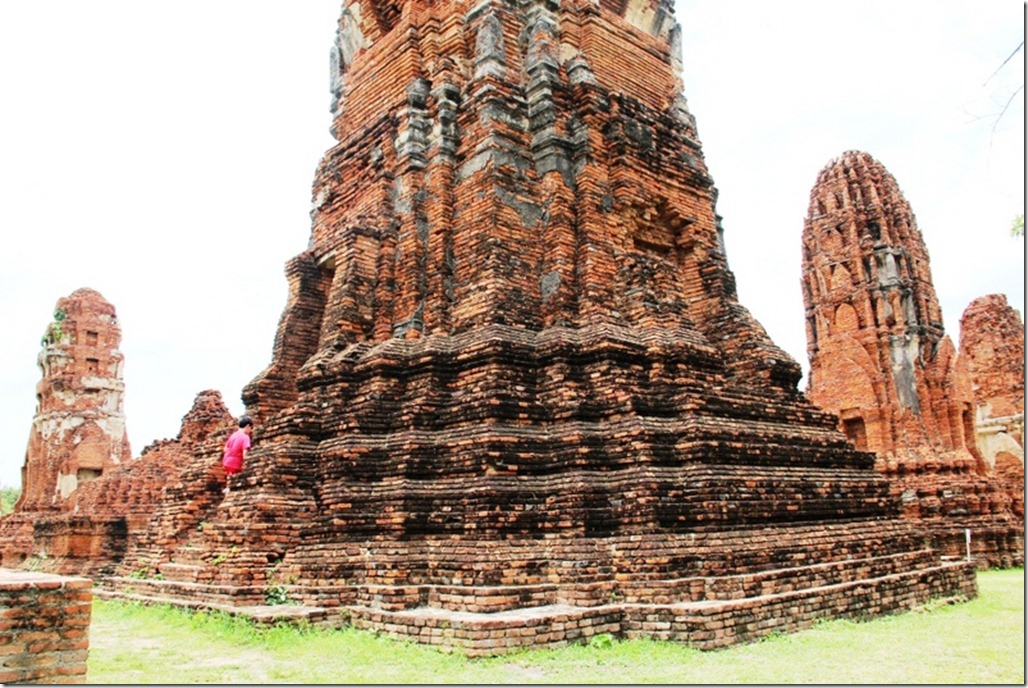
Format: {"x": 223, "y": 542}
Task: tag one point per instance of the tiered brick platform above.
{"x": 513, "y": 398}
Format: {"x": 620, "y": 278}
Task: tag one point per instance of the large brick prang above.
{"x": 513, "y": 393}
{"x": 78, "y": 432}
{"x": 513, "y": 398}
{"x": 880, "y": 359}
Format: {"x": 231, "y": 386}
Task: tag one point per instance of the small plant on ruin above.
{"x": 54, "y": 333}
{"x": 8, "y": 497}
{"x": 34, "y": 564}
{"x": 276, "y": 594}
{"x": 221, "y": 558}
{"x": 140, "y": 573}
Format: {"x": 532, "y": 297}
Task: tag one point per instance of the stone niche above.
{"x": 881, "y": 361}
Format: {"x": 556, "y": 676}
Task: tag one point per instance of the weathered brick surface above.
{"x": 513, "y": 398}
{"x": 78, "y": 431}
{"x": 880, "y": 360}
{"x": 105, "y": 518}
{"x": 44, "y": 627}
{"x": 992, "y": 350}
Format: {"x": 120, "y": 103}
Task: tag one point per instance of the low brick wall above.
{"x": 44, "y": 627}
{"x": 706, "y": 625}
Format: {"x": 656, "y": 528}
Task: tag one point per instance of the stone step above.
{"x": 175, "y": 571}
{"x": 625, "y": 588}
{"x": 773, "y": 581}
{"x": 262, "y": 614}
{"x": 181, "y": 591}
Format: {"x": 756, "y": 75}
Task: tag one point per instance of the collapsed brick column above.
{"x": 513, "y": 398}
{"x": 881, "y": 361}
{"x": 78, "y": 431}
{"x": 992, "y": 349}
{"x": 90, "y": 529}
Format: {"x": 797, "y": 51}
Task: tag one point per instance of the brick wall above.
{"x": 44, "y": 627}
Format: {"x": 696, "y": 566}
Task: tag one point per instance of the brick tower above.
{"x": 513, "y": 398}
{"x": 992, "y": 349}
{"x": 78, "y": 431}
{"x": 881, "y": 361}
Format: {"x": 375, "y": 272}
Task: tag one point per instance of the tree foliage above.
{"x": 8, "y": 496}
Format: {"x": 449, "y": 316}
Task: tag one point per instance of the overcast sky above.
{"x": 163, "y": 153}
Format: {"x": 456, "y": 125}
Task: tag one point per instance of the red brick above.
{"x": 880, "y": 359}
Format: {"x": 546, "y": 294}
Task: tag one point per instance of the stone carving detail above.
{"x": 880, "y": 359}
{"x": 992, "y": 349}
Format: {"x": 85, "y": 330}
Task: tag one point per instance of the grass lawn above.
{"x": 981, "y": 641}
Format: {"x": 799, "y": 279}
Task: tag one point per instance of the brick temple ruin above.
{"x": 992, "y": 349}
{"x": 513, "y": 398}
{"x": 881, "y": 361}
{"x": 78, "y": 431}
{"x": 84, "y": 503}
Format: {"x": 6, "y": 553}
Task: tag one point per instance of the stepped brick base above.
{"x": 706, "y": 625}
{"x": 740, "y": 613}
{"x": 705, "y": 589}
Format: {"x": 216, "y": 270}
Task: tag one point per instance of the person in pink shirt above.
{"x": 235, "y": 449}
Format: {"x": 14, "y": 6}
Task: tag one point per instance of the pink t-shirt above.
{"x": 237, "y": 443}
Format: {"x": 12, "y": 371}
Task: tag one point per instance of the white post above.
{"x": 967, "y": 539}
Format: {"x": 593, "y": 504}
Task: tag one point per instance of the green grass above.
{"x": 981, "y": 641}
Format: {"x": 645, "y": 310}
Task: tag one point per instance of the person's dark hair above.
{"x": 244, "y": 421}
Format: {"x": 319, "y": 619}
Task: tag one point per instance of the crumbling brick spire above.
{"x": 881, "y": 361}
{"x": 992, "y": 343}
{"x": 878, "y": 353}
{"x": 992, "y": 351}
{"x": 78, "y": 431}
{"x": 497, "y": 163}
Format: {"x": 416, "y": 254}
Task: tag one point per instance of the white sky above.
{"x": 163, "y": 153}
